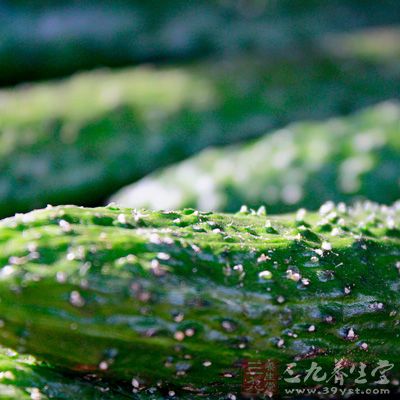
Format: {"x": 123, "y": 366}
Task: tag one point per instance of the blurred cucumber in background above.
{"x": 81, "y": 139}
{"x": 48, "y": 38}
{"x": 342, "y": 159}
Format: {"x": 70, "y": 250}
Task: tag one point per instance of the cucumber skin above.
{"x": 101, "y": 280}
{"x": 342, "y": 159}
{"x": 40, "y": 41}
{"x": 80, "y": 140}
{"x": 24, "y": 378}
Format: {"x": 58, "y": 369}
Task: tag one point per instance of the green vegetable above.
{"x": 22, "y": 377}
{"x": 43, "y": 39}
{"x": 183, "y": 297}
{"x": 341, "y": 159}
{"x": 80, "y": 140}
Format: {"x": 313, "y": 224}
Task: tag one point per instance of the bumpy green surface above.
{"x": 24, "y": 378}
{"x": 45, "y": 38}
{"x": 184, "y": 297}
{"x": 80, "y": 140}
{"x": 298, "y": 166}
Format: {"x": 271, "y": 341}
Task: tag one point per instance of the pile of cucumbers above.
{"x": 221, "y": 189}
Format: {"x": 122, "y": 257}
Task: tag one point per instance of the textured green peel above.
{"x": 24, "y": 378}
{"x": 341, "y": 159}
{"x": 184, "y": 297}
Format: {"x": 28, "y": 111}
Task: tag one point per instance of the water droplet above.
{"x": 326, "y": 246}
{"x": 228, "y": 326}
{"x": 364, "y": 346}
{"x": 65, "y": 226}
{"x": 305, "y": 281}
{"x": 263, "y": 258}
{"x": 351, "y": 335}
{"x": 61, "y": 277}
{"x": 135, "y": 383}
{"x": 76, "y": 299}
{"x": 35, "y": 394}
{"x": 179, "y": 335}
{"x": 238, "y": 268}
{"x": 398, "y": 266}
{"x": 179, "y": 317}
{"x": 7, "y": 375}
{"x": 155, "y": 239}
{"x": 293, "y": 275}
{"x": 156, "y": 268}
{"x": 280, "y": 299}
{"x": 265, "y": 275}
{"x": 195, "y": 248}
{"x": 6, "y": 271}
{"x": 103, "y": 366}
{"x": 17, "y": 260}
{"x": 190, "y": 332}
{"x": 121, "y": 219}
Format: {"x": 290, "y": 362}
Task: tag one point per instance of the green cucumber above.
{"x": 182, "y": 298}
{"x": 24, "y": 378}
{"x": 80, "y": 140}
{"x": 341, "y": 159}
{"x": 44, "y": 39}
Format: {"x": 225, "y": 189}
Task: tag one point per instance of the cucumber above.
{"x": 24, "y": 378}
{"x": 182, "y": 298}
{"x": 80, "y": 140}
{"x": 45, "y": 39}
{"x": 341, "y": 159}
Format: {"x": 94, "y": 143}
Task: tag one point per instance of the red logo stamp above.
{"x": 260, "y": 378}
